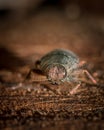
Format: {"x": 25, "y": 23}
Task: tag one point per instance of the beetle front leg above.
{"x": 35, "y": 77}
{"x": 28, "y": 75}
{"x": 74, "y": 90}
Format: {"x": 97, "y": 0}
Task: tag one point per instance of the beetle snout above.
{"x": 56, "y": 73}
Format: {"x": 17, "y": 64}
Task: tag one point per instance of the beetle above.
{"x": 61, "y": 66}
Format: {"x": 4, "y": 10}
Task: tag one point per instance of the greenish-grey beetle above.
{"x": 60, "y": 66}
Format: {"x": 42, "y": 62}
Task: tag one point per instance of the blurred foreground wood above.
{"x": 39, "y": 105}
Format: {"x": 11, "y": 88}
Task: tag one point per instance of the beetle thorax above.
{"x": 56, "y": 72}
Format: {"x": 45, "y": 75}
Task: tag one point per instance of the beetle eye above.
{"x": 56, "y": 72}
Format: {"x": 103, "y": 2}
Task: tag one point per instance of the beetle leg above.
{"x": 28, "y": 75}
{"x": 81, "y": 65}
{"x": 74, "y": 90}
{"x": 37, "y": 64}
{"x": 39, "y": 79}
{"x": 36, "y": 78}
{"x": 90, "y": 76}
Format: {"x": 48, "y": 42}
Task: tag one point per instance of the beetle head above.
{"x": 56, "y": 73}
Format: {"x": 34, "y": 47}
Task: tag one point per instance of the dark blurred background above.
{"x": 28, "y": 30}
{"x": 30, "y": 27}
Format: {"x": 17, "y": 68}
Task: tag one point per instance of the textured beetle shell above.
{"x": 62, "y": 57}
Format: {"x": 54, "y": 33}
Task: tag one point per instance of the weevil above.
{"x": 61, "y": 66}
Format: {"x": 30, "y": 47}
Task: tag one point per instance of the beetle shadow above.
{"x": 9, "y": 60}
{"x": 37, "y": 71}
